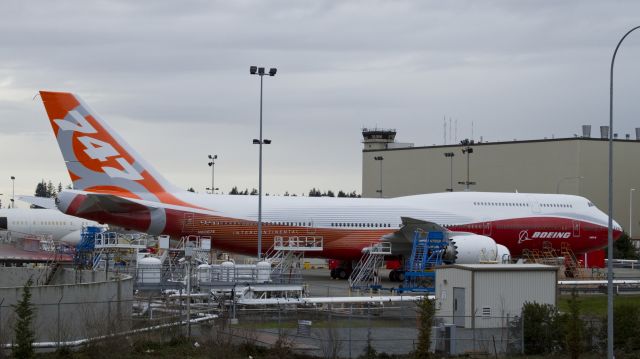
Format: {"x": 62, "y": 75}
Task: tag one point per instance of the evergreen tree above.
{"x": 623, "y": 248}
{"x": 51, "y": 190}
{"x": 190, "y": 189}
{"x": 24, "y": 334}
{"x": 59, "y": 187}
{"x": 254, "y": 192}
{"x": 41, "y": 189}
{"x": 574, "y": 327}
{"x": 341, "y": 194}
{"x": 315, "y": 192}
{"x": 426, "y": 312}
{"x": 330, "y": 193}
{"x": 234, "y": 191}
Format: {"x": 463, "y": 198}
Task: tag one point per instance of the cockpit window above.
{"x": 590, "y": 204}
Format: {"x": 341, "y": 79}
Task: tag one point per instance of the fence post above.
{"x": 1, "y": 323}
{"x": 508, "y": 330}
{"x": 350, "y": 325}
{"x": 59, "y": 301}
{"x": 522, "y": 334}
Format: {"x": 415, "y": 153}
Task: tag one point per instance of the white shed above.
{"x": 484, "y": 295}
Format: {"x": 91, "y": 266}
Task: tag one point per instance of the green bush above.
{"x": 626, "y": 326}
{"x": 543, "y": 332}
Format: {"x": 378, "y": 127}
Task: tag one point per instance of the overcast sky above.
{"x": 173, "y": 78}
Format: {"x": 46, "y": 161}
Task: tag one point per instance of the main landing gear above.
{"x": 396, "y": 275}
{"x": 340, "y": 269}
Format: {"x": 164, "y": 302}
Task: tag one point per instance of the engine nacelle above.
{"x": 72, "y": 238}
{"x": 473, "y": 248}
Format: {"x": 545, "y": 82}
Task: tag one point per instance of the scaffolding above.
{"x": 426, "y": 254}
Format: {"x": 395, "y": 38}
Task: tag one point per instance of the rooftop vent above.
{"x": 638, "y": 133}
{"x": 604, "y": 131}
{"x": 586, "y": 131}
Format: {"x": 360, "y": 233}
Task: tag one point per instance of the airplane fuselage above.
{"x": 516, "y": 220}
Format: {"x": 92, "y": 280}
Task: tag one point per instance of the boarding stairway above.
{"x": 426, "y": 254}
{"x": 365, "y": 275}
{"x": 286, "y": 254}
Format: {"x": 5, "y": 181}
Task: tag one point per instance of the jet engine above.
{"x": 473, "y": 248}
{"x": 72, "y": 238}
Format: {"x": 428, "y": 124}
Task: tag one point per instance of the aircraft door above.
{"x": 486, "y": 228}
{"x": 458, "y": 307}
{"x": 311, "y": 229}
{"x": 535, "y": 206}
{"x": 576, "y": 229}
{"x": 4, "y": 223}
{"x": 187, "y": 222}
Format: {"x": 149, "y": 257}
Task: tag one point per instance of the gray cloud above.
{"x": 172, "y": 77}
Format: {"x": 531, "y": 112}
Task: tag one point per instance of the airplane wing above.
{"x": 402, "y": 239}
{"x": 42, "y": 202}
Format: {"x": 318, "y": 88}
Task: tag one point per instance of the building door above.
{"x": 458, "y": 307}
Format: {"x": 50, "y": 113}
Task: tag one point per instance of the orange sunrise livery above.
{"x": 113, "y": 184}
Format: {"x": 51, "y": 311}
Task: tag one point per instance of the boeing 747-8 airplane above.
{"x": 113, "y": 184}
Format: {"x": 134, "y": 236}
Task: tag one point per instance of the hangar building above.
{"x": 575, "y": 165}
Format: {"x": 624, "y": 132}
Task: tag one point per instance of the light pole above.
{"x": 610, "y": 224}
{"x": 468, "y": 150}
{"x": 450, "y": 156}
{"x": 254, "y": 70}
{"x": 212, "y": 164}
{"x": 631, "y": 212}
{"x": 13, "y": 192}
{"x": 380, "y": 159}
{"x": 564, "y": 179}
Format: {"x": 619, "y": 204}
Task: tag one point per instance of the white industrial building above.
{"x": 575, "y": 165}
{"x": 486, "y": 295}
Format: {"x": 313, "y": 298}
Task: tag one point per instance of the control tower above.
{"x": 381, "y": 139}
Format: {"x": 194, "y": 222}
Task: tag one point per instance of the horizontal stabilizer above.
{"x": 100, "y": 202}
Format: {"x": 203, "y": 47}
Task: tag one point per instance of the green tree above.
{"x": 51, "y": 190}
{"x": 623, "y": 248}
{"x": 24, "y": 334}
{"x": 41, "y": 189}
{"x": 315, "y": 192}
{"x": 190, "y": 189}
{"x": 341, "y": 194}
{"x": 573, "y": 327}
{"x": 254, "y": 192}
{"x": 426, "y": 312}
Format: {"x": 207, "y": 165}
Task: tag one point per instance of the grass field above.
{"x": 596, "y": 305}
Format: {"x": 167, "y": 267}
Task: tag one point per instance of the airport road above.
{"x": 320, "y": 283}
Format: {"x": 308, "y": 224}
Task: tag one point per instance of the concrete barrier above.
{"x": 66, "y": 310}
